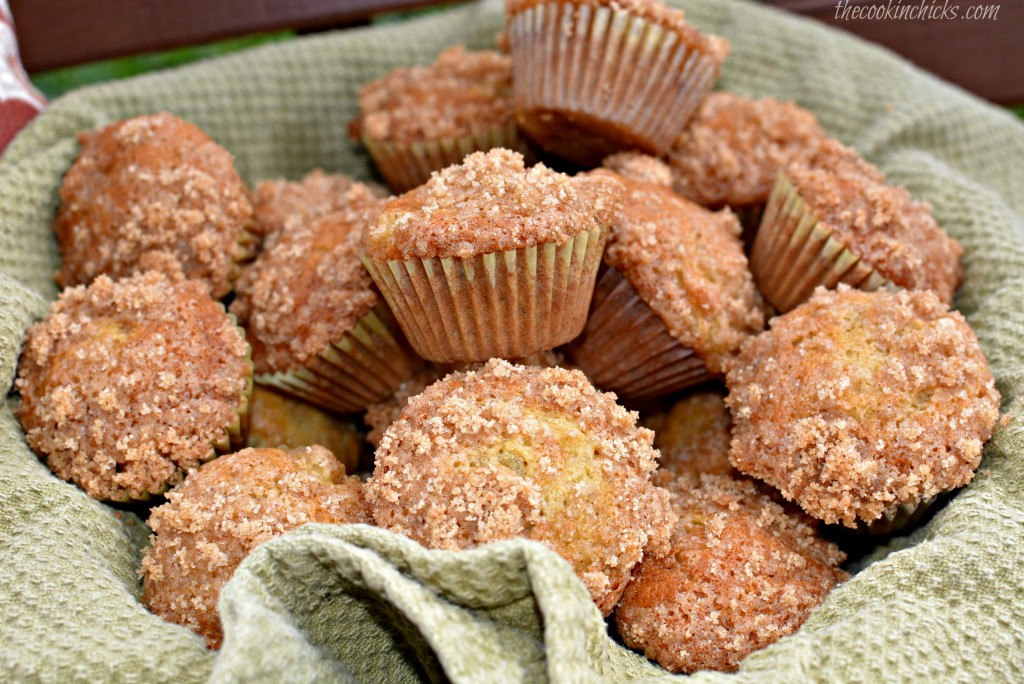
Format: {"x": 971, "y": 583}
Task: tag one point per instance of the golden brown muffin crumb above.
{"x": 638, "y": 166}
{"x": 223, "y": 511}
{"x": 855, "y": 403}
{"x": 152, "y": 193}
{"x": 742, "y": 573}
{"x": 734, "y": 147}
{"x": 491, "y": 203}
{"x": 460, "y": 94}
{"x": 126, "y": 386}
{"x": 278, "y": 202}
{"x": 687, "y": 264}
{"x": 514, "y": 451}
{"x": 694, "y": 436}
{"x": 880, "y": 223}
{"x": 308, "y": 287}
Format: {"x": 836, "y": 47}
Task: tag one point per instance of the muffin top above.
{"x": 742, "y": 573}
{"x": 308, "y": 287}
{"x": 126, "y": 386}
{"x": 734, "y": 147}
{"x": 152, "y": 193}
{"x": 887, "y": 400}
{"x": 461, "y": 93}
{"x": 515, "y": 451}
{"x": 491, "y": 203}
{"x": 880, "y": 223}
{"x": 694, "y": 437}
{"x": 687, "y": 264}
{"x": 278, "y": 202}
{"x": 223, "y": 511}
{"x": 639, "y": 167}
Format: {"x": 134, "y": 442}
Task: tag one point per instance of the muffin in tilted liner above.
{"x": 422, "y": 119}
{"x": 491, "y": 259}
{"x": 127, "y": 386}
{"x": 511, "y": 451}
{"x": 676, "y": 300}
{"x": 318, "y": 328}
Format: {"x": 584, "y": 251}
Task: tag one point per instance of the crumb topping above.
{"x": 734, "y": 147}
{"x": 687, "y": 264}
{"x": 461, "y": 93}
{"x": 152, "y": 193}
{"x": 308, "y": 287}
{"x": 880, "y": 223}
{"x": 742, "y": 573}
{"x": 126, "y": 386}
{"x": 278, "y": 202}
{"x": 514, "y": 451}
{"x": 694, "y": 436}
{"x": 638, "y": 166}
{"x": 491, "y": 203}
{"x": 223, "y": 511}
{"x": 855, "y": 403}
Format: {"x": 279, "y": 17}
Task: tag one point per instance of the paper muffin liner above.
{"x": 503, "y": 304}
{"x": 583, "y": 80}
{"x": 365, "y": 366}
{"x": 794, "y": 252}
{"x": 408, "y": 165}
{"x": 626, "y": 347}
{"x": 903, "y": 517}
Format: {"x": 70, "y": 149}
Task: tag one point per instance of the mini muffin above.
{"x": 127, "y": 386}
{"x": 276, "y": 420}
{"x": 742, "y": 573}
{"x": 832, "y": 218}
{"x": 318, "y": 328}
{"x": 856, "y": 403}
{"x": 490, "y": 259}
{"x": 676, "y": 301}
{"x": 734, "y": 147}
{"x": 277, "y": 202}
{"x": 535, "y": 452}
{"x": 419, "y": 120}
{"x": 694, "y": 436}
{"x": 592, "y": 77}
{"x": 153, "y": 193}
{"x": 223, "y": 511}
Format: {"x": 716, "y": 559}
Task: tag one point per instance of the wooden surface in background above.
{"x": 983, "y": 56}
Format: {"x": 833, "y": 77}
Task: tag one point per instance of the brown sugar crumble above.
{"x": 638, "y": 166}
{"x": 742, "y": 573}
{"x": 491, "y": 203}
{"x": 855, "y": 403}
{"x": 127, "y": 386}
{"x": 880, "y": 223}
{"x": 734, "y": 147}
{"x": 152, "y": 193}
{"x": 687, "y": 264}
{"x": 308, "y": 287}
{"x": 220, "y": 513}
{"x": 278, "y": 202}
{"x": 694, "y": 437}
{"x": 536, "y": 452}
{"x": 460, "y": 94}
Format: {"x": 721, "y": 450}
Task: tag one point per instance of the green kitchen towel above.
{"x": 355, "y": 603}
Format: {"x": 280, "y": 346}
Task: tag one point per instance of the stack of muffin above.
{"x": 489, "y": 321}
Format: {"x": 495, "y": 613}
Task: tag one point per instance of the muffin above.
{"x": 742, "y": 573}
{"x": 153, "y": 193}
{"x": 856, "y": 403}
{"x": 276, "y": 420}
{"x": 693, "y": 438}
{"x": 513, "y": 451}
{"x": 127, "y": 386}
{"x": 419, "y": 120}
{"x": 277, "y": 202}
{"x": 831, "y": 218}
{"x": 595, "y": 77}
{"x": 223, "y": 511}
{"x": 490, "y": 259}
{"x": 676, "y": 300}
{"x": 318, "y": 328}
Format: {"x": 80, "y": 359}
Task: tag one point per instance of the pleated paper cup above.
{"x": 503, "y": 304}
{"x": 589, "y": 80}
{"x": 894, "y": 522}
{"x": 365, "y": 366}
{"x": 409, "y": 165}
{"x": 794, "y": 253}
{"x": 626, "y": 347}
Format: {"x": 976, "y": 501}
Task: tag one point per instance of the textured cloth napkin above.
{"x": 356, "y": 603}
